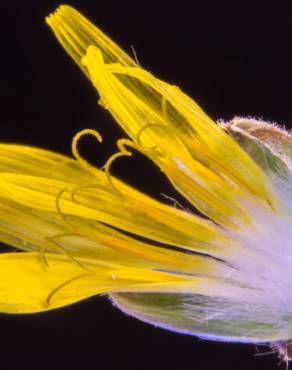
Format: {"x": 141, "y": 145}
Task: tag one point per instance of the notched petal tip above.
{"x": 53, "y": 18}
{"x": 76, "y": 34}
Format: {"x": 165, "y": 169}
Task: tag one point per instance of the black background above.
{"x": 234, "y": 59}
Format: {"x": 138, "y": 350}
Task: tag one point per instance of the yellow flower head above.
{"x": 223, "y": 275}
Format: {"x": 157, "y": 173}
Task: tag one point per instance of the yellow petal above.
{"x": 27, "y": 285}
{"x": 90, "y": 196}
{"x": 34, "y": 230}
{"x": 76, "y": 33}
{"x": 199, "y": 158}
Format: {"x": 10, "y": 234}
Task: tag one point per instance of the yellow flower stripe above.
{"x": 83, "y": 232}
{"x": 27, "y": 285}
{"x": 95, "y": 198}
{"x": 62, "y": 230}
{"x": 201, "y": 161}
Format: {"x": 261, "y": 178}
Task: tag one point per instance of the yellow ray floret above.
{"x": 53, "y": 183}
{"x": 70, "y": 256}
{"x": 81, "y": 232}
{"x": 27, "y": 285}
{"x": 53, "y": 207}
{"x": 201, "y": 161}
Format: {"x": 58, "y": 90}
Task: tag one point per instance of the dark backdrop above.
{"x": 234, "y": 59}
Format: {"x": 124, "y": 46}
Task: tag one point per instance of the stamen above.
{"x": 54, "y": 243}
{"x": 43, "y": 256}
{"x": 96, "y": 186}
{"x": 75, "y": 150}
{"x": 122, "y": 143}
{"x": 108, "y": 164}
{"x": 57, "y": 203}
{"x": 169, "y": 131}
{"x": 61, "y": 286}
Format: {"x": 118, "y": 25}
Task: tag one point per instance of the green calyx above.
{"x": 269, "y": 145}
